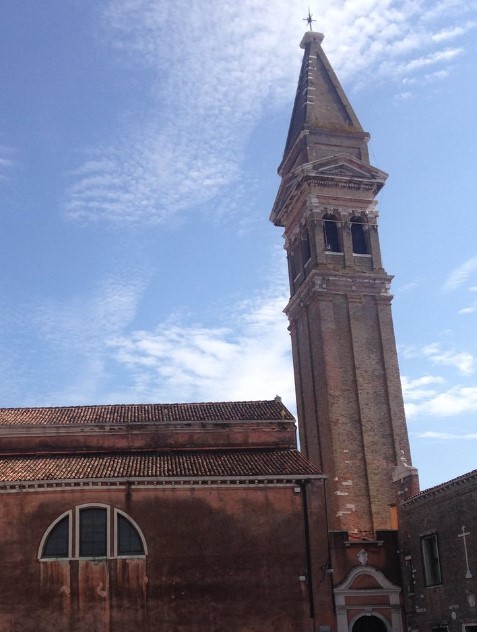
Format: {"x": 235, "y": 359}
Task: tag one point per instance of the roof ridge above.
{"x": 441, "y": 487}
{"x": 204, "y": 412}
{"x": 78, "y": 406}
{"x": 70, "y": 454}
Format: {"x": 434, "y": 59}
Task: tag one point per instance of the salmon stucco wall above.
{"x": 218, "y": 558}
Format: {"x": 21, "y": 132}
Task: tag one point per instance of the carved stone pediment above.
{"x": 342, "y": 170}
{"x": 344, "y": 166}
{"x": 339, "y": 171}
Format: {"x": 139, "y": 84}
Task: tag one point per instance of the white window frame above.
{"x": 67, "y": 514}
{"x": 112, "y": 537}
{"x": 78, "y": 510}
{"x": 118, "y": 512}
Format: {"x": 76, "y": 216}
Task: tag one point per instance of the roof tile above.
{"x": 146, "y": 413}
{"x": 243, "y": 463}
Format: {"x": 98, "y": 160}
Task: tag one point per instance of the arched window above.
{"x": 56, "y": 542}
{"x": 99, "y": 530}
{"x": 359, "y": 236}
{"x": 129, "y": 540}
{"x": 331, "y": 233}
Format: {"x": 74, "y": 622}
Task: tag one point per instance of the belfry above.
{"x": 349, "y": 399}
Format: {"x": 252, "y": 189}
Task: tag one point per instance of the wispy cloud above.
{"x": 445, "y": 436}
{"x": 472, "y": 308}
{"x": 57, "y": 352}
{"x": 420, "y": 388}
{"x": 433, "y": 58}
{"x": 454, "y": 32}
{"x": 7, "y": 161}
{"x": 408, "y": 287}
{"x": 250, "y": 359}
{"x": 215, "y": 77}
{"x": 74, "y": 335}
{"x": 83, "y": 349}
{"x": 208, "y": 97}
{"x": 431, "y": 396}
{"x": 85, "y": 322}
{"x": 460, "y": 275}
{"x": 463, "y": 361}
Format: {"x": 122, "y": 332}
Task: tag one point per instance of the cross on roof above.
{"x": 463, "y": 535}
{"x": 309, "y": 19}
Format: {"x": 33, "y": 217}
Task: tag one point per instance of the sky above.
{"x": 139, "y": 141}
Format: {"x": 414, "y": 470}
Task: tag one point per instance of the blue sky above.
{"x": 139, "y": 142}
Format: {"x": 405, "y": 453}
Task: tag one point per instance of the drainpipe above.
{"x": 309, "y": 577}
{"x": 329, "y": 567}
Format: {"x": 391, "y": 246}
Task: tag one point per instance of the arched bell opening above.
{"x": 332, "y": 233}
{"x": 359, "y": 236}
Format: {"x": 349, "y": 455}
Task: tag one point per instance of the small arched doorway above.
{"x": 379, "y": 609}
{"x": 369, "y": 623}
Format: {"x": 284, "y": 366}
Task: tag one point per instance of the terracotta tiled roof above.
{"x": 146, "y": 413}
{"x": 251, "y": 463}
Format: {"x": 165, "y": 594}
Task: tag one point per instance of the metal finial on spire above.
{"x": 309, "y": 19}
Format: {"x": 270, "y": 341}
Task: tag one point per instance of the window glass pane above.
{"x": 330, "y": 230}
{"x": 358, "y": 237}
{"x": 409, "y": 575}
{"x": 430, "y": 558}
{"x": 93, "y": 540}
{"x": 56, "y": 544}
{"x": 129, "y": 541}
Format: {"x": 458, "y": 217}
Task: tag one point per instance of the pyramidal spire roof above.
{"x": 321, "y": 107}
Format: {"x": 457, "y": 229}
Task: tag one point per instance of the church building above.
{"x": 206, "y": 517}
{"x": 157, "y": 517}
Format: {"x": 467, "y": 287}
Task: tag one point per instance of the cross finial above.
{"x": 309, "y": 19}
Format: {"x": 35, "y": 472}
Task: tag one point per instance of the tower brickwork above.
{"x": 349, "y": 399}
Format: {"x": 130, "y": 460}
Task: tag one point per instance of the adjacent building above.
{"x": 438, "y": 532}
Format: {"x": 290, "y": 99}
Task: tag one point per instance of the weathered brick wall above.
{"x": 350, "y": 405}
{"x": 382, "y": 554}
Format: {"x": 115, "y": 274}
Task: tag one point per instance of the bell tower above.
{"x": 350, "y": 406}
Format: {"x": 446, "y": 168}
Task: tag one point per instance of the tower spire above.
{"x": 323, "y": 121}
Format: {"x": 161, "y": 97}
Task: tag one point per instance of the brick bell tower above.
{"x": 350, "y": 406}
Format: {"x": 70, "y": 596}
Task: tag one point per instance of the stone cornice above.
{"x": 323, "y": 286}
{"x": 338, "y": 185}
{"x": 156, "y": 483}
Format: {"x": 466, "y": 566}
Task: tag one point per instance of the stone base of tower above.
{"x": 366, "y": 581}
{"x": 355, "y": 584}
